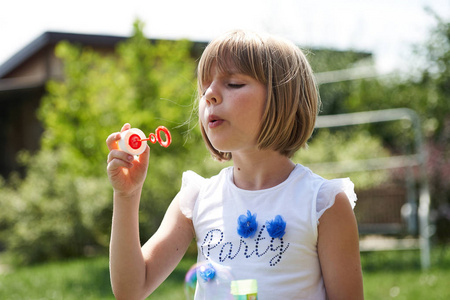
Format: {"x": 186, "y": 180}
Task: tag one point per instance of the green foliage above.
{"x": 324, "y": 60}
{"x": 53, "y": 214}
{"x": 342, "y": 148}
{"x": 147, "y": 84}
{"x": 63, "y": 206}
{"x": 333, "y": 95}
{"x": 426, "y": 90}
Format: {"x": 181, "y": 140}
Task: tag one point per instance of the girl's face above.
{"x": 231, "y": 110}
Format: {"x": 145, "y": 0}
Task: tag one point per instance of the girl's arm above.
{"x": 338, "y": 248}
{"x": 165, "y": 249}
{"x": 136, "y": 272}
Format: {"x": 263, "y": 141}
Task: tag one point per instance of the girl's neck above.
{"x": 261, "y": 170}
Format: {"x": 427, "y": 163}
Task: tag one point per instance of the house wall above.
{"x": 19, "y": 127}
{"x": 21, "y": 91}
{"x": 35, "y": 66}
{"x": 20, "y": 96}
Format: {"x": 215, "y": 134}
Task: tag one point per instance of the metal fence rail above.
{"x": 417, "y": 159}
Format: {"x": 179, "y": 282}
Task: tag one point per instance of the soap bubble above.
{"x": 208, "y": 281}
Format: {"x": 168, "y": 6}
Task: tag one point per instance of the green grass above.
{"x": 387, "y": 275}
{"x": 397, "y": 275}
{"x": 78, "y": 279}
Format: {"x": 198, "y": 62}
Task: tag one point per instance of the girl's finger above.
{"x": 117, "y": 154}
{"x": 112, "y": 140}
{"x": 125, "y": 127}
{"x": 118, "y": 163}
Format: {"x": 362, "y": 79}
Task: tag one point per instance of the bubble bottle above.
{"x": 244, "y": 289}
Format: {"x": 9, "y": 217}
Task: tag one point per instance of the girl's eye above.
{"x": 235, "y": 85}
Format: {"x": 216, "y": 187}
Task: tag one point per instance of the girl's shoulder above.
{"x": 329, "y": 189}
{"x": 190, "y": 178}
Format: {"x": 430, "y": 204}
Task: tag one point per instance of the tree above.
{"x": 63, "y": 206}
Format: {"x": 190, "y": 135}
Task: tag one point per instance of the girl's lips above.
{"x": 214, "y": 124}
{"x": 214, "y": 121}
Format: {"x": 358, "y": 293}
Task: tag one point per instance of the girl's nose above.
{"x": 212, "y": 95}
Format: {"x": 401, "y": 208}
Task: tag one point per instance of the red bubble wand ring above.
{"x": 134, "y": 141}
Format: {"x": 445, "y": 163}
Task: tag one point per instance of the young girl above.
{"x": 264, "y": 218}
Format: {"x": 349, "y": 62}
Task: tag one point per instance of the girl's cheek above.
{"x": 201, "y": 112}
{"x": 201, "y": 106}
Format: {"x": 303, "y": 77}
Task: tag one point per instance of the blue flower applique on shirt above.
{"x": 247, "y": 225}
{"x": 276, "y": 227}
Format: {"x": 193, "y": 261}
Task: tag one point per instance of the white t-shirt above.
{"x": 276, "y": 239}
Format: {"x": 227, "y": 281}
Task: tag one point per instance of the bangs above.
{"x": 237, "y": 52}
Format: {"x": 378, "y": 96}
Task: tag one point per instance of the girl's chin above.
{"x": 228, "y": 145}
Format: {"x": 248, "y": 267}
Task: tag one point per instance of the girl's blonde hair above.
{"x": 292, "y": 98}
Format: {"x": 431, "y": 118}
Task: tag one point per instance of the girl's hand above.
{"x": 126, "y": 172}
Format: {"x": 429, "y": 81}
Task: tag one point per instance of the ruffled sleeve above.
{"x": 190, "y": 188}
{"x": 328, "y": 191}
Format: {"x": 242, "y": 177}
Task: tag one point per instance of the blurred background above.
{"x": 73, "y": 72}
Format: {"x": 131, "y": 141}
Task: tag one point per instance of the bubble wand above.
{"x": 133, "y": 141}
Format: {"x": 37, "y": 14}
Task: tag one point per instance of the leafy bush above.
{"x": 64, "y": 204}
{"x": 340, "y": 148}
{"x": 53, "y": 214}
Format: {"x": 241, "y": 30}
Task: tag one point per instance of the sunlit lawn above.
{"x": 78, "y": 279}
{"x": 397, "y": 275}
{"x": 387, "y": 275}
